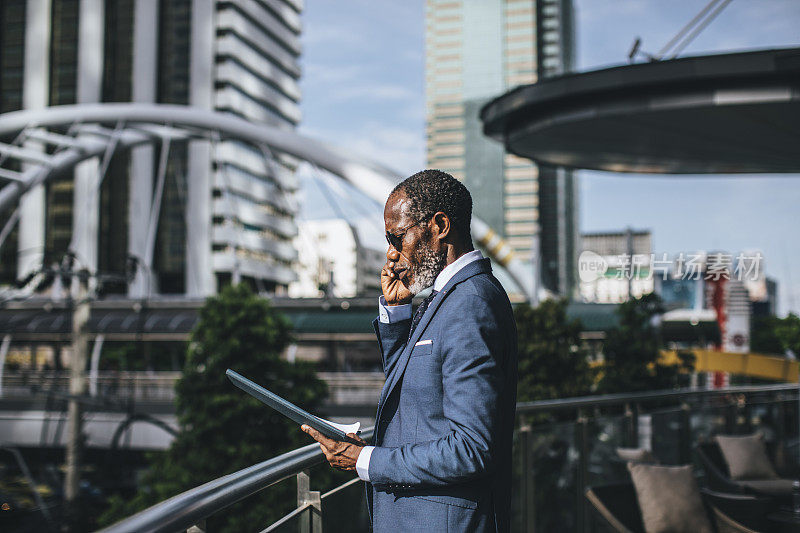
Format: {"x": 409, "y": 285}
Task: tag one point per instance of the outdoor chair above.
{"x": 746, "y": 509}
{"x": 617, "y": 508}
{"x": 718, "y": 477}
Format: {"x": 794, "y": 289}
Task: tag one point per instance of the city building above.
{"x": 726, "y": 293}
{"x": 719, "y": 287}
{"x": 475, "y": 51}
{"x": 761, "y": 289}
{"x": 765, "y": 303}
{"x": 333, "y": 262}
{"x": 225, "y": 210}
{"x": 628, "y": 257}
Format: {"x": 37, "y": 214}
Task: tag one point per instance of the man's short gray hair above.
{"x": 430, "y": 191}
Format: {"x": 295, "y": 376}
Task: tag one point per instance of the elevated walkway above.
{"x": 756, "y": 365}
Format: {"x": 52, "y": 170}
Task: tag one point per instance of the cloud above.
{"x": 399, "y": 148}
{"x": 320, "y": 73}
{"x": 384, "y": 92}
{"x": 333, "y": 34}
{"x": 395, "y": 147}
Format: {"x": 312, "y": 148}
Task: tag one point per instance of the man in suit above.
{"x": 441, "y": 459}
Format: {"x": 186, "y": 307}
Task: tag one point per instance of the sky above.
{"x": 363, "y": 89}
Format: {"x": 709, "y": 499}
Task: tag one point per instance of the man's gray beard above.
{"x": 429, "y": 265}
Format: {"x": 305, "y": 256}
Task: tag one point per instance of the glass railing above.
{"x": 561, "y": 447}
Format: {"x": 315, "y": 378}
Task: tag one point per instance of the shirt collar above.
{"x": 450, "y": 270}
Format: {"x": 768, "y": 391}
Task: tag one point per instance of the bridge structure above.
{"x": 47, "y": 143}
{"x": 334, "y": 333}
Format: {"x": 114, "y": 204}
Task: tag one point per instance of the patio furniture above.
{"x": 718, "y": 476}
{"x": 617, "y": 508}
{"x": 743, "y": 509}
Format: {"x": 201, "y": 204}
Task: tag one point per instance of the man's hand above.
{"x": 340, "y": 455}
{"x": 394, "y": 284}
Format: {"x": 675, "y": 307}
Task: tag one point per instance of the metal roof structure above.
{"x": 716, "y": 114}
{"x": 76, "y": 133}
{"x": 38, "y": 320}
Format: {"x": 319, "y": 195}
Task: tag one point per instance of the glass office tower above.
{"x": 477, "y": 50}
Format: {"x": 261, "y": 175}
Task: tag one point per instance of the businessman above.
{"x": 441, "y": 459}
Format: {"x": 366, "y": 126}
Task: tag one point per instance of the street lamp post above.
{"x": 77, "y": 385}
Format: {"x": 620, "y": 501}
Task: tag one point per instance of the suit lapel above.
{"x": 472, "y": 269}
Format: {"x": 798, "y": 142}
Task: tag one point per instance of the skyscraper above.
{"x": 475, "y": 51}
{"x": 227, "y": 211}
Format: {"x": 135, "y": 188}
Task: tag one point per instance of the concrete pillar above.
{"x": 200, "y": 279}
{"x": 86, "y": 197}
{"x": 140, "y": 193}
{"x": 35, "y": 95}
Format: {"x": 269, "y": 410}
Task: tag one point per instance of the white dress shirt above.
{"x": 389, "y": 314}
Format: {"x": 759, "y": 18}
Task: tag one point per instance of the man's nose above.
{"x": 392, "y": 254}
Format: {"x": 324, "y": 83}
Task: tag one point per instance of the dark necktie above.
{"x": 421, "y": 311}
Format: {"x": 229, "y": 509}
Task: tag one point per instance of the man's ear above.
{"x": 441, "y": 226}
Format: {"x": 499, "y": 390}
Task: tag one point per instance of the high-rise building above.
{"x": 228, "y": 209}
{"x": 475, "y": 51}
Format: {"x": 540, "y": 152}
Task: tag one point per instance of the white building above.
{"x": 334, "y": 262}
{"x": 628, "y": 260}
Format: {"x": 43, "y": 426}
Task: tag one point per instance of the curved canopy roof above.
{"x": 730, "y": 113}
{"x": 138, "y": 123}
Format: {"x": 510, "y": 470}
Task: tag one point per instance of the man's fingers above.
{"x": 317, "y": 436}
{"x": 356, "y": 437}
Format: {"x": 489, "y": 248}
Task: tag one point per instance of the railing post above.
{"x": 582, "y": 445}
{"x": 730, "y": 416}
{"x": 528, "y": 501}
{"x": 630, "y": 437}
{"x": 685, "y": 437}
{"x": 742, "y": 415}
{"x": 199, "y": 527}
{"x": 779, "y": 421}
{"x": 312, "y": 498}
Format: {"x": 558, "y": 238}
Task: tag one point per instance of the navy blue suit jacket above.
{"x": 446, "y": 413}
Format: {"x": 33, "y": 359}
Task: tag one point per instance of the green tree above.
{"x": 222, "y": 429}
{"x": 631, "y": 351}
{"x": 764, "y": 337}
{"x": 776, "y": 335}
{"x": 552, "y": 361}
{"x": 552, "y": 364}
{"x": 788, "y": 332}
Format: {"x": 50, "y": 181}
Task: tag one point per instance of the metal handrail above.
{"x": 642, "y": 397}
{"x": 188, "y": 508}
{"x": 184, "y": 510}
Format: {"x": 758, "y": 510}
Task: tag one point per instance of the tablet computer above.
{"x": 287, "y": 408}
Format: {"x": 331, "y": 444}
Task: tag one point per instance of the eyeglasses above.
{"x": 396, "y": 239}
